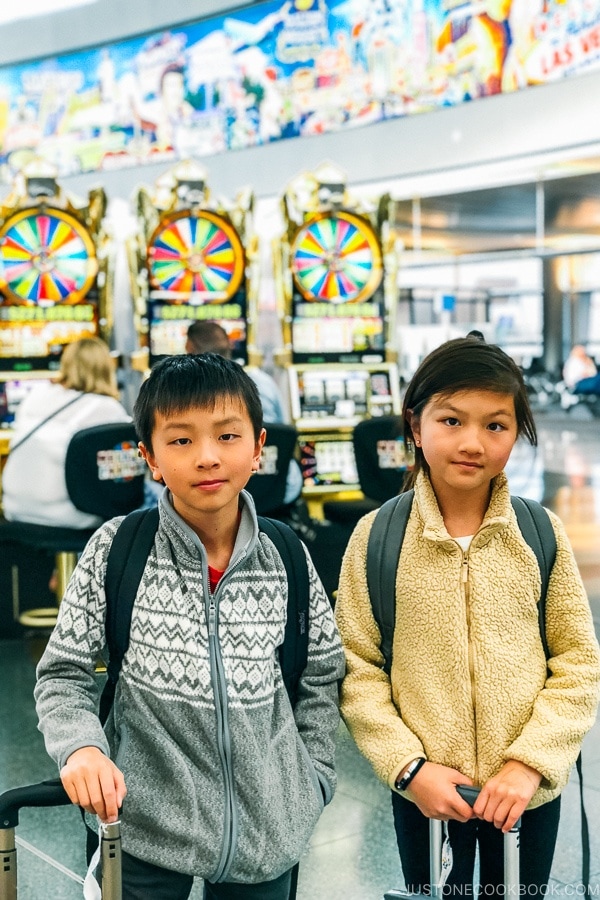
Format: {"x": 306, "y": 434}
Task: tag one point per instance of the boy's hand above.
{"x": 504, "y": 798}
{"x": 434, "y": 791}
{"x": 93, "y": 781}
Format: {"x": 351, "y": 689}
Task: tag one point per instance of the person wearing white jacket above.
{"x": 85, "y": 394}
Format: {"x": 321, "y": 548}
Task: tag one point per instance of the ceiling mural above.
{"x": 279, "y": 70}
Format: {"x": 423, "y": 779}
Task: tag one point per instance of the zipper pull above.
{"x": 212, "y": 617}
{"x": 465, "y": 569}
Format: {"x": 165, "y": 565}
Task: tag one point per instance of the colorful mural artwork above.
{"x": 281, "y": 70}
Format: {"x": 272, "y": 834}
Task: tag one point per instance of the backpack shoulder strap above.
{"x": 293, "y": 653}
{"x": 536, "y": 527}
{"x": 383, "y": 552}
{"x": 125, "y": 566}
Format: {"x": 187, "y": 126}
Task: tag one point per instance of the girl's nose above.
{"x": 471, "y": 441}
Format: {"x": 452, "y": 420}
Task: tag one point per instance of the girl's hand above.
{"x": 434, "y": 791}
{"x": 504, "y": 798}
{"x": 93, "y": 781}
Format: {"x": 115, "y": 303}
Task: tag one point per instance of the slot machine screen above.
{"x": 346, "y": 395}
{"x": 168, "y": 324}
{"x": 327, "y": 461}
{"x": 12, "y": 392}
{"x": 33, "y": 337}
{"x": 344, "y": 332}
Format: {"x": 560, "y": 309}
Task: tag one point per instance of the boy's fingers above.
{"x": 110, "y": 797}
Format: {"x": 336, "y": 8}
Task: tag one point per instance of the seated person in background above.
{"x": 210, "y": 337}
{"x": 578, "y": 366}
{"x": 84, "y": 394}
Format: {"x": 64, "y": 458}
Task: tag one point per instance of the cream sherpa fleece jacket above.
{"x": 469, "y": 685}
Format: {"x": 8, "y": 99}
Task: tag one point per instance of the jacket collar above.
{"x": 185, "y": 540}
{"x": 497, "y": 516}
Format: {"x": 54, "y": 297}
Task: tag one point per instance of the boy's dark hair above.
{"x": 465, "y": 364}
{"x": 208, "y": 337}
{"x": 180, "y": 382}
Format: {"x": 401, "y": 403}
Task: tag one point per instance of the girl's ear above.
{"x": 414, "y": 423}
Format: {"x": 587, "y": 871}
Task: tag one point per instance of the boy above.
{"x": 216, "y": 774}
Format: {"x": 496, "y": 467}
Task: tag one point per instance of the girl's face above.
{"x": 466, "y": 439}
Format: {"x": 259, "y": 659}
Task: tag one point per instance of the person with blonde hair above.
{"x": 87, "y": 366}
{"x": 84, "y": 394}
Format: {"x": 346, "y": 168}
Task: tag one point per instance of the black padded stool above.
{"x": 376, "y": 444}
{"x": 105, "y": 477}
{"x": 268, "y": 485}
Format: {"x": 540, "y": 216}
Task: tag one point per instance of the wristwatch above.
{"x": 409, "y": 773}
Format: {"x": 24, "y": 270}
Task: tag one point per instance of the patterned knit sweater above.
{"x": 469, "y": 684}
{"x": 224, "y": 780}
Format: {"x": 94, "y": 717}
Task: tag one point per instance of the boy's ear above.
{"x": 260, "y": 443}
{"x": 150, "y": 461}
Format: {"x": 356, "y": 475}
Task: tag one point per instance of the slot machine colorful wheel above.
{"x": 336, "y": 257}
{"x": 196, "y": 253}
{"x": 46, "y": 256}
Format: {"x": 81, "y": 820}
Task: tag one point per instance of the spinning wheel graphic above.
{"x": 196, "y": 253}
{"x": 336, "y": 257}
{"x": 46, "y": 257}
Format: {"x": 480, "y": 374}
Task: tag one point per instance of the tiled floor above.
{"x": 352, "y": 855}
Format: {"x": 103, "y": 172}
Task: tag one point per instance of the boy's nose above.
{"x": 206, "y": 456}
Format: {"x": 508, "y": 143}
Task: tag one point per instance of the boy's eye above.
{"x": 180, "y": 442}
{"x": 228, "y": 437}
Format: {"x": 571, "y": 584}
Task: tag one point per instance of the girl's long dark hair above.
{"x": 464, "y": 364}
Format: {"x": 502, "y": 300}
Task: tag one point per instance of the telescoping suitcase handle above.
{"x": 512, "y": 877}
{"x": 51, "y": 793}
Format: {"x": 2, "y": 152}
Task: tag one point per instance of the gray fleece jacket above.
{"x": 223, "y": 779}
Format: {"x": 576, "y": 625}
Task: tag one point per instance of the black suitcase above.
{"x": 512, "y": 879}
{"x": 51, "y": 793}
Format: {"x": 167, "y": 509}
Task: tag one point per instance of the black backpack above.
{"x": 125, "y": 565}
{"x": 383, "y": 553}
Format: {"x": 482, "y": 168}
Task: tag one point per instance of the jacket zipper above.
{"x": 467, "y": 597}
{"x": 223, "y": 739}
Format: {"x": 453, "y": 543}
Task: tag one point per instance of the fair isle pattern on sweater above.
{"x": 169, "y": 646}
{"x": 224, "y": 774}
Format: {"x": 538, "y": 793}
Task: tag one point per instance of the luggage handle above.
{"x": 512, "y": 875}
{"x": 45, "y": 793}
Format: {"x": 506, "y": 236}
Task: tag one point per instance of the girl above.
{"x": 471, "y": 698}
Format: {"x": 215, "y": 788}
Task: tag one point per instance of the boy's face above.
{"x": 205, "y": 457}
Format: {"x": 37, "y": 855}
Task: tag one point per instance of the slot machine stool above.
{"x": 268, "y": 485}
{"x": 381, "y": 467}
{"x": 104, "y": 477}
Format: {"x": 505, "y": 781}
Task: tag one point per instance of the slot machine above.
{"x": 55, "y": 281}
{"x": 194, "y": 257}
{"x": 336, "y": 274}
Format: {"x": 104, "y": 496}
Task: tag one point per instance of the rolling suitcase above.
{"x": 512, "y": 878}
{"x": 51, "y": 793}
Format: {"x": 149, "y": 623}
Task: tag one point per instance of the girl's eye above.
{"x": 451, "y": 421}
{"x": 496, "y": 426}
